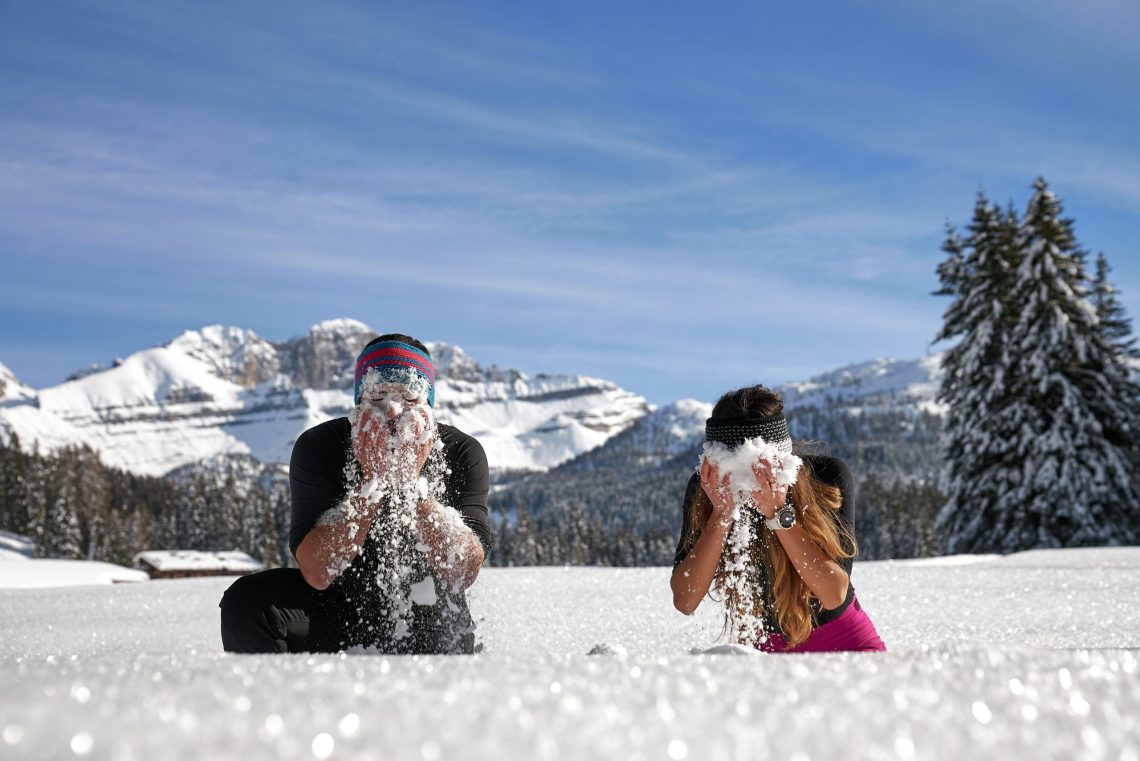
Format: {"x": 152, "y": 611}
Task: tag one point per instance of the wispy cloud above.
{"x": 230, "y": 160}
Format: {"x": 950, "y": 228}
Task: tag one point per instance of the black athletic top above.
{"x": 353, "y": 610}
{"x": 830, "y": 470}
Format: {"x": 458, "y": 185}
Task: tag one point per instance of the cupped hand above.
{"x": 387, "y": 453}
{"x": 719, "y": 491}
{"x": 768, "y": 496}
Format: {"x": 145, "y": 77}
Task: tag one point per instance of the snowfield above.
{"x": 1034, "y": 655}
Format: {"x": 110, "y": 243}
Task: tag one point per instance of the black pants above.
{"x": 274, "y": 612}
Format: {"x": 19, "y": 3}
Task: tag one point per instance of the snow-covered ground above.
{"x": 37, "y": 574}
{"x": 1035, "y": 655}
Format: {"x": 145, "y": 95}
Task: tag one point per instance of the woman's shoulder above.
{"x": 830, "y": 470}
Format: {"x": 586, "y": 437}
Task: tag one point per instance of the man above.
{"x": 389, "y": 526}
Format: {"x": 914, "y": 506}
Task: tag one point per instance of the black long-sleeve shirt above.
{"x": 829, "y": 470}
{"x": 354, "y": 609}
{"x": 322, "y": 454}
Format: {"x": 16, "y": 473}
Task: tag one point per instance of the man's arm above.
{"x": 316, "y": 487}
{"x": 335, "y": 541}
{"x": 453, "y": 551}
{"x": 457, "y": 536}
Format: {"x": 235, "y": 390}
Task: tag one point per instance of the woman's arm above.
{"x": 822, "y": 575}
{"x": 694, "y": 575}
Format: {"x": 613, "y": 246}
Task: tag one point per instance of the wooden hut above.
{"x": 181, "y": 564}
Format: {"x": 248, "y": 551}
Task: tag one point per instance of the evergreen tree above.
{"x": 40, "y": 494}
{"x": 1115, "y": 325}
{"x": 62, "y": 537}
{"x": 978, "y": 273}
{"x": 527, "y": 550}
{"x": 1120, "y": 413}
{"x": 13, "y": 486}
{"x": 1037, "y": 410}
{"x": 192, "y": 515}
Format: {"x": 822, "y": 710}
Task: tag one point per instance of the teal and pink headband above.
{"x": 395, "y": 362}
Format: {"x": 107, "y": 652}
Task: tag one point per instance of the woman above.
{"x": 782, "y": 560}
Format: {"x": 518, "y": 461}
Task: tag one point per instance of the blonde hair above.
{"x": 816, "y": 504}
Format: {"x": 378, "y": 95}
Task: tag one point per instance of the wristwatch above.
{"x": 784, "y": 518}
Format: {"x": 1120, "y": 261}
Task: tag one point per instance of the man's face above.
{"x": 390, "y": 415}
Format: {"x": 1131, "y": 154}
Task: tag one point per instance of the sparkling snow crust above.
{"x": 1033, "y": 655}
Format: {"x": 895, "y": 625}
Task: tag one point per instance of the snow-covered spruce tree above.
{"x": 63, "y": 537}
{"x": 1116, "y": 332}
{"x": 978, "y": 273}
{"x": 1114, "y": 322}
{"x": 1043, "y": 464}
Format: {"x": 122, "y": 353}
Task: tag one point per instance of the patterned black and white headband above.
{"x": 735, "y": 431}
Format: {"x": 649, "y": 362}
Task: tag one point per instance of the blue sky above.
{"x": 680, "y": 199}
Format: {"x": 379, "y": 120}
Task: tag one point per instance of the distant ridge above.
{"x": 224, "y": 390}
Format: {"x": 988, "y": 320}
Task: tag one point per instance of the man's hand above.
{"x": 452, "y": 549}
{"x": 392, "y": 437}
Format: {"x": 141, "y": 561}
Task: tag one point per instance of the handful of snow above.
{"x": 739, "y": 572}
{"x": 738, "y": 463}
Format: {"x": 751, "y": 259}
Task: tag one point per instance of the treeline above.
{"x": 73, "y": 506}
{"x": 895, "y": 519}
{"x": 577, "y": 540}
{"x": 616, "y": 512}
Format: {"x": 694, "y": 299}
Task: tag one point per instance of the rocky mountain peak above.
{"x": 324, "y": 357}
{"x": 234, "y": 354}
{"x": 453, "y": 363}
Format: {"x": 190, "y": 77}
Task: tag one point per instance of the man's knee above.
{"x": 254, "y": 609}
{"x": 240, "y": 599}
{"x": 243, "y": 614}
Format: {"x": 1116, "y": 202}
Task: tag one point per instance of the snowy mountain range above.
{"x": 222, "y": 391}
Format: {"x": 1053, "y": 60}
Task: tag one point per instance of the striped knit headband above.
{"x": 395, "y": 362}
{"x": 734, "y": 431}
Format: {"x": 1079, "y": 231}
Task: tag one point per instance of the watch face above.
{"x": 786, "y": 517}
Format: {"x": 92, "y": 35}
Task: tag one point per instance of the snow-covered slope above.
{"x": 227, "y": 391}
{"x": 42, "y": 574}
{"x": 20, "y": 414}
{"x": 664, "y": 433}
{"x": 15, "y": 546}
{"x": 529, "y": 422}
{"x": 671, "y": 429}
{"x": 12, "y": 391}
{"x": 885, "y": 384}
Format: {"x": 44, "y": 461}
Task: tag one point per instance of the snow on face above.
{"x": 737, "y": 463}
{"x": 392, "y": 422}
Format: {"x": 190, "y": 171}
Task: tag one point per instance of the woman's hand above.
{"x": 769, "y": 496}
{"x": 719, "y": 491}
{"x": 693, "y": 576}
